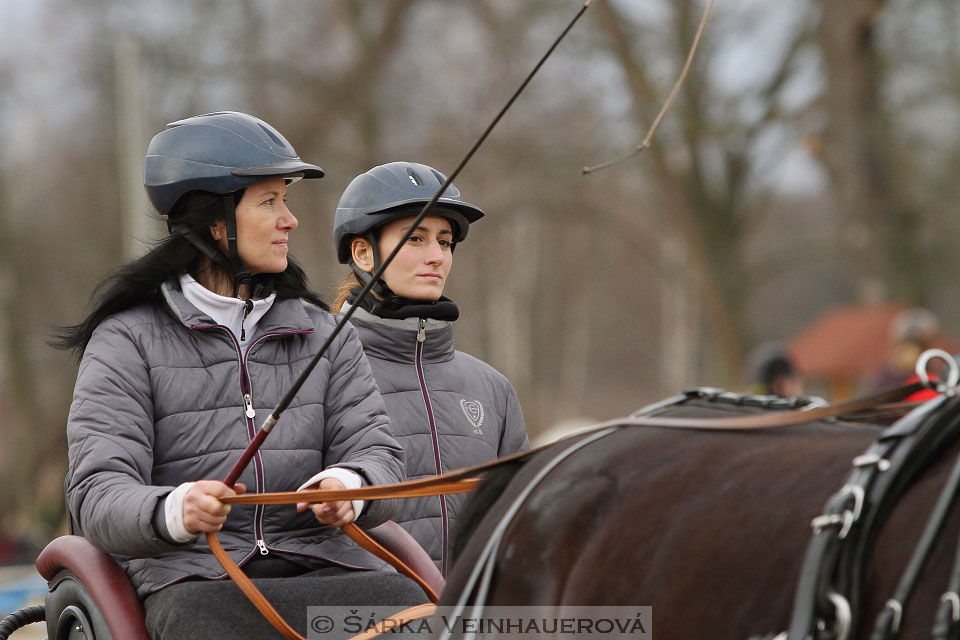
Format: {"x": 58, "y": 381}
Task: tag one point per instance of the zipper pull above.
{"x": 422, "y": 333}
{"x": 248, "y": 404}
{"x": 247, "y": 308}
{"x": 263, "y": 547}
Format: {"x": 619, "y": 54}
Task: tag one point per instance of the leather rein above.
{"x": 466, "y": 480}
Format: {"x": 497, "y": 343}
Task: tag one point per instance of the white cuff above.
{"x": 173, "y": 514}
{"x": 349, "y": 480}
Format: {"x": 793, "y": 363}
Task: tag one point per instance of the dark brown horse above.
{"x": 708, "y": 528}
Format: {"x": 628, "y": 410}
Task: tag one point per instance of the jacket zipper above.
{"x": 246, "y": 387}
{"x": 249, "y": 414}
{"x": 421, "y": 338}
{"x": 247, "y": 308}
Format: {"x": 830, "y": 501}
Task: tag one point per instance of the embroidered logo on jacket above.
{"x": 474, "y": 412}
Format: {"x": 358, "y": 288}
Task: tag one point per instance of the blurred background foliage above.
{"x": 809, "y": 161}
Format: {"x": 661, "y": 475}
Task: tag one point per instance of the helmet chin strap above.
{"x": 262, "y": 284}
{"x": 380, "y": 288}
{"x": 237, "y": 269}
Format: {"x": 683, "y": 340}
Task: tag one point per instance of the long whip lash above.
{"x": 666, "y": 105}
{"x": 274, "y": 416}
{"x": 351, "y": 529}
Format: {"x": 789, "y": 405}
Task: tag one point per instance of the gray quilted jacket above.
{"x": 162, "y": 398}
{"x": 447, "y": 409}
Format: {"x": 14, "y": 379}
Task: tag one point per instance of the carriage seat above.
{"x": 91, "y": 597}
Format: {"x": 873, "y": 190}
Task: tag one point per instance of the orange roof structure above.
{"x": 848, "y": 342}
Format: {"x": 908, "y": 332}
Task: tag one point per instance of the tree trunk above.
{"x": 708, "y": 231}
{"x": 879, "y": 231}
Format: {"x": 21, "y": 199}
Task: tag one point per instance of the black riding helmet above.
{"x": 389, "y": 192}
{"x": 220, "y": 153}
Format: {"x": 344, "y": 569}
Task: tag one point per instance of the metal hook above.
{"x": 815, "y": 403}
{"x": 858, "y": 494}
{"x": 868, "y": 459}
{"x": 954, "y": 599}
{"x": 844, "y": 616}
{"x": 897, "y": 609}
{"x": 953, "y": 375}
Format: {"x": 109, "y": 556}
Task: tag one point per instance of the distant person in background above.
{"x": 772, "y": 372}
{"x": 912, "y": 332}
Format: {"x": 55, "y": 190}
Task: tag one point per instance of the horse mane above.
{"x": 491, "y": 487}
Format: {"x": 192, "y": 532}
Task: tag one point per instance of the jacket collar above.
{"x": 284, "y": 316}
{"x": 396, "y": 340}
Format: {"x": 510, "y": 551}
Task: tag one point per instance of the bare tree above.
{"x": 704, "y": 164}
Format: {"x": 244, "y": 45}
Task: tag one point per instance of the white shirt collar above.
{"x": 226, "y": 311}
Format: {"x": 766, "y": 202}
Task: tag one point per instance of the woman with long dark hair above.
{"x": 448, "y": 409}
{"x": 184, "y": 349}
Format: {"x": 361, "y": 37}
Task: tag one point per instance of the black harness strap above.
{"x": 887, "y": 625}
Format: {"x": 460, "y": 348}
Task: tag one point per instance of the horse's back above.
{"x": 709, "y": 528}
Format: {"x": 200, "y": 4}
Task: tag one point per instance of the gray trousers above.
{"x": 218, "y": 610}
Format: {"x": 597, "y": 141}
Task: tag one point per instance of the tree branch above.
{"x": 645, "y": 143}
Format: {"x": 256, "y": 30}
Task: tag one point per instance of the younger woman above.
{"x": 447, "y": 409}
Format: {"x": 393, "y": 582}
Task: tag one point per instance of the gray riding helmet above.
{"x": 218, "y": 152}
{"x": 397, "y": 190}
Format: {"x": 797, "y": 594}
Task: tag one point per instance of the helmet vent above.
{"x": 414, "y": 178}
{"x": 272, "y": 135}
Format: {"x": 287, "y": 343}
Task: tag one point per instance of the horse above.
{"x": 709, "y": 528}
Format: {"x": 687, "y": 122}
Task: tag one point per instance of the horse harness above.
{"x": 831, "y": 583}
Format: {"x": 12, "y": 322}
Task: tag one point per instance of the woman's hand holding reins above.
{"x": 202, "y": 510}
{"x": 334, "y": 514}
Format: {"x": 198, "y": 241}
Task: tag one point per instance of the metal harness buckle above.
{"x": 846, "y": 519}
{"x": 868, "y": 459}
{"x": 953, "y": 371}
